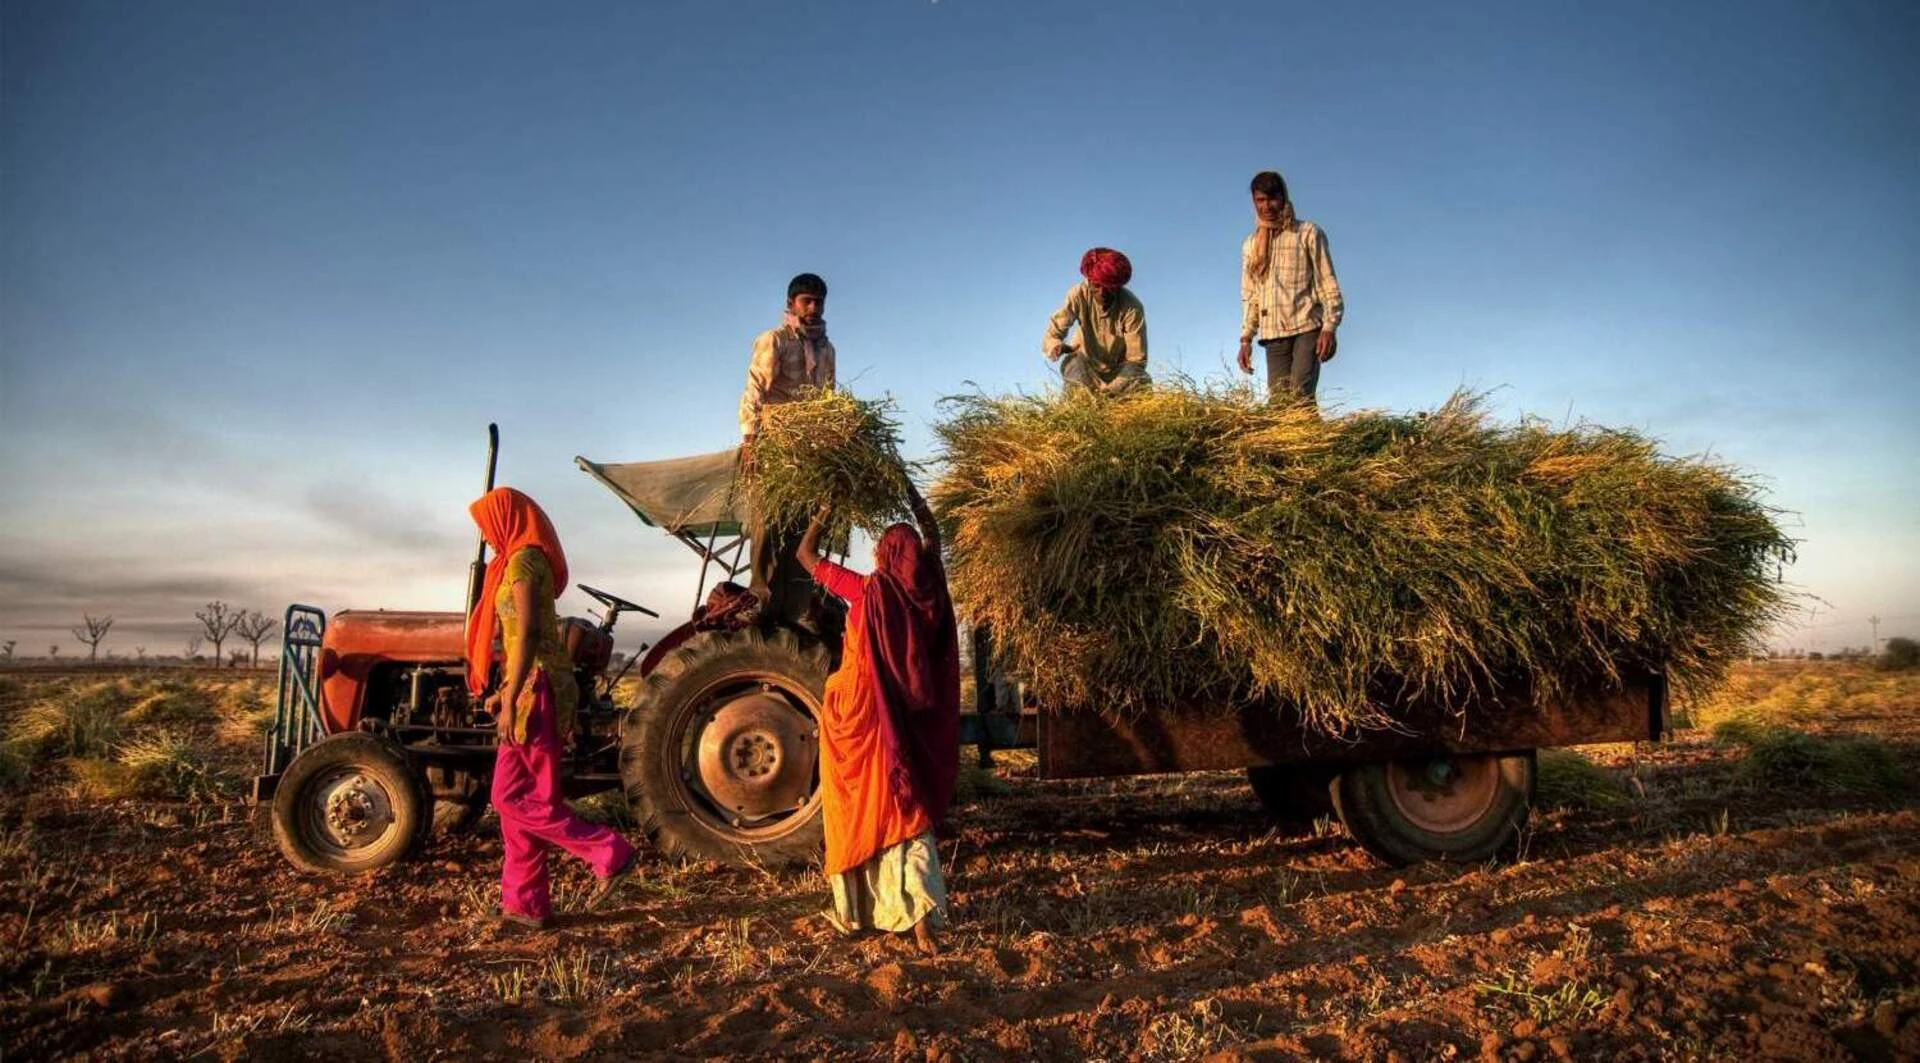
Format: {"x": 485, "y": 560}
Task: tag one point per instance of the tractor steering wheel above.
{"x": 614, "y": 602}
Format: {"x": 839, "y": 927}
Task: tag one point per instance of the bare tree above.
{"x": 91, "y": 631}
{"x": 193, "y": 648}
{"x": 255, "y": 626}
{"x": 140, "y": 652}
{"x": 6, "y": 649}
{"x": 53, "y": 652}
{"x": 219, "y": 619}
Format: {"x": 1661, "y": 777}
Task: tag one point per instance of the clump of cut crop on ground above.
{"x": 168, "y": 764}
{"x": 1778, "y": 756}
{"x": 166, "y": 701}
{"x": 1190, "y": 545}
{"x": 74, "y": 721}
{"x": 245, "y": 711}
{"x": 1564, "y": 778}
{"x": 834, "y": 449}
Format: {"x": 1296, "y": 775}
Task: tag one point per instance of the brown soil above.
{"x": 1147, "y": 918}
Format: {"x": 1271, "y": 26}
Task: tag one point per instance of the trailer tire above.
{"x": 720, "y": 751}
{"x": 1294, "y": 795}
{"x": 1464, "y": 808}
{"x": 351, "y": 803}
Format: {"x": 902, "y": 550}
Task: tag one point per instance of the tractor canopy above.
{"x": 688, "y": 498}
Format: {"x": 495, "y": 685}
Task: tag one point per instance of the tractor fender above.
{"x": 667, "y": 644}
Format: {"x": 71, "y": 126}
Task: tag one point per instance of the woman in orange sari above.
{"x": 890, "y": 732}
{"x": 533, "y": 709}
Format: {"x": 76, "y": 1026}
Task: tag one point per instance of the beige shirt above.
{"x": 777, "y": 372}
{"x": 1300, "y": 294}
{"x": 1114, "y": 337}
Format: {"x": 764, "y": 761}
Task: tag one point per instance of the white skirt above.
{"x": 894, "y": 890}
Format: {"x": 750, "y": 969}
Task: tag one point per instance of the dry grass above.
{"x": 830, "y": 449}
{"x": 1190, "y": 545}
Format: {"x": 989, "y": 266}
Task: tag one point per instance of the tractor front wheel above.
{"x": 1458, "y": 807}
{"x": 351, "y": 803}
{"x": 721, "y": 752}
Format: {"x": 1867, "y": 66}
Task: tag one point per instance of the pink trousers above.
{"x": 535, "y": 817}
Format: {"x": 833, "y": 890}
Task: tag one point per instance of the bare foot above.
{"x": 923, "y": 939}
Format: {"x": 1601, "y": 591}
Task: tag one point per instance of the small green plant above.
{"x": 976, "y": 782}
{"x": 511, "y": 985}
{"x": 574, "y": 976}
{"x": 1567, "y": 779}
{"x": 1782, "y": 756}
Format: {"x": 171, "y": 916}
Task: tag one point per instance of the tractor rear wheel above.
{"x": 1294, "y": 795}
{"x": 351, "y": 803}
{"x": 720, "y": 755}
{"x": 1461, "y": 807}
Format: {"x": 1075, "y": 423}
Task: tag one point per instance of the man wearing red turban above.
{"x": 1111, "y": 356}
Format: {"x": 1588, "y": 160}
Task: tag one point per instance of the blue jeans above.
{"x": 1293, "y": 369}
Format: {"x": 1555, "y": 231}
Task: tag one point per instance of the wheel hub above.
{"x": 355, "y": 810}
{"x": 1444, "y": 794}
{"x": 756, "y": 756}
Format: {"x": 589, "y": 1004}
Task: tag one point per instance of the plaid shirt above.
{"x": 1300, "y": 294}
{"x": 777, "y": 372}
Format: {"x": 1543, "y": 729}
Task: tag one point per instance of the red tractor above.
{"x": 377, "y": 744}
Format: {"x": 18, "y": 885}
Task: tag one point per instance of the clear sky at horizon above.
{"x": 267, "y": 270}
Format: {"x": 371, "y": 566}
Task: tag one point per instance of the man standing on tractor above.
{"x": 787, "y": 363}
{"x": 1289, "y": 298}
{"x": 1112, "y": 356}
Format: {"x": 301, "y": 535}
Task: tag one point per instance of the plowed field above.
{"x": 1692, "y": 906}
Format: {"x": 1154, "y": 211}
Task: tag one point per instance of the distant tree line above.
{"x": 219, "y": 623}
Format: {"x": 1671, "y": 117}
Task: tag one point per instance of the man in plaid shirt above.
{"x": 1289, "y": 298}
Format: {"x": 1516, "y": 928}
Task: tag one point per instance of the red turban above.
{"x": 1105, "y": 268}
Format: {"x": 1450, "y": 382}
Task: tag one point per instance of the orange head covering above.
{"x": 510, "y": 522}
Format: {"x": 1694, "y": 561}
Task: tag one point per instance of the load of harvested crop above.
{"x": 1192, "y": 547}
{"x": 829, "y": 448}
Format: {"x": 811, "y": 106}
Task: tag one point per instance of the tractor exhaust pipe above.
{"x": 476, "y": 572}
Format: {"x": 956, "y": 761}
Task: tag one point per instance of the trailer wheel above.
{"x": 350, "y": 803}
{"x": 1293, "y": 795}
{"x": 720, "y": 755}
{"x": 1463, "y": 808}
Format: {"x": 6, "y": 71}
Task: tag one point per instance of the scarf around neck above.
{"x": 809, "y": 335}
{"x": 1262, "y": 257}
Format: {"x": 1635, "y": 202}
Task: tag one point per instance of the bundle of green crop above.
{"x": 834, "y": 449}
{"x": 1191, "y": 546}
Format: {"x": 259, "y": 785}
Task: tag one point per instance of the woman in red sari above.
{"x": 890, "y": 732}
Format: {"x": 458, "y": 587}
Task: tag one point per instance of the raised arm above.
{"x": 809, "y": 552}
{"x": 923, "y": 515}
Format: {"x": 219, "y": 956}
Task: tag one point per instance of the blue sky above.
{"x": 267, "y": 270}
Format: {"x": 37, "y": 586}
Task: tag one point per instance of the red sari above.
{"x": 890, "y": 722}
